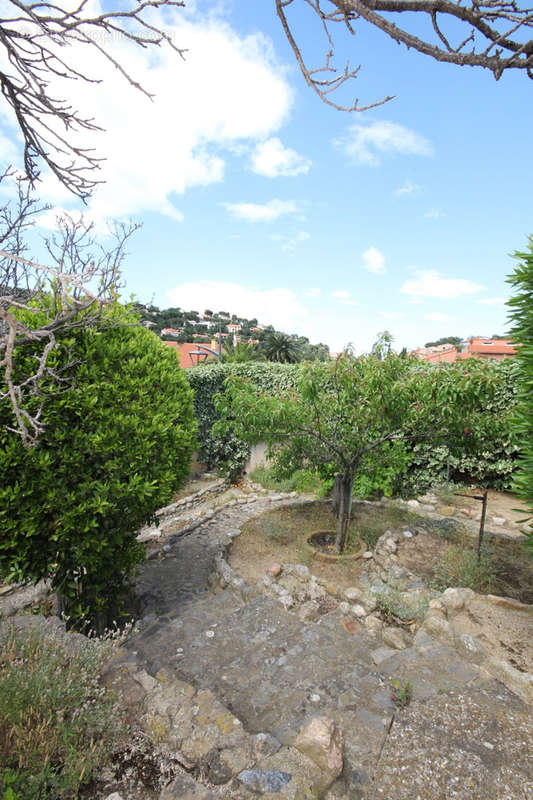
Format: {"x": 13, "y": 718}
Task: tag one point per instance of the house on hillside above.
{"x": 188, "y": 353}
{"x": 494, "y": 349}
{"x": 475, "y": 347}
{"x": 170, "y": 331}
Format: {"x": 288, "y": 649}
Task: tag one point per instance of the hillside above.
{"x": 178, "y": 325}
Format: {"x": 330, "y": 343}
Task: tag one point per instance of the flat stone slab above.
{"x": 471, "y": 745}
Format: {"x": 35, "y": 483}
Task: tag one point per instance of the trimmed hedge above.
{"x": 229, "y": 453}
{"x": 487, "y": 456}
{"x": 115, "y": 447}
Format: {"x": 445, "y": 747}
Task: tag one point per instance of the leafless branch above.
{"x": 35, "y": 40}
{"x": 491, "y": 34}
{"x": 41, "y": 304}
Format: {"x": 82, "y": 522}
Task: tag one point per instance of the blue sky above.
{"x": 258, "y": 199}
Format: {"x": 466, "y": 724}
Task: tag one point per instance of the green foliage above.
{"x": 455, "y": 340}
{"x": 392, "y": 607}
{"x": 344, "y": 417}
{"x": 485, "y": 451}
{"x": 304, "y": 481}
{"x": 460, "y": 567}
{"x": 386, "y": 475}
{"x": 115, "y": 447}
{"x": 226, "y": 450}
{"x": 401, "y": 692}
{"x": 57, "y": 724}
{"x": 521, "y": 305}
{"x": 281, "y": 347}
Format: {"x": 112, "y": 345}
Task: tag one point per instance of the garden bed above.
{"x": 281, "y": 536}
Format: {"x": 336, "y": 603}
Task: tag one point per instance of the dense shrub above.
{"x": 487, "y": 455}
{"x": 58, "y": 725}
{"x": 228, "y": 452}
{"x": 522, "y": 315}
{"x": 115, "y": 447}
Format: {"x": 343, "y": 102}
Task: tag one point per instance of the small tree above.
{"x": 114, "y": 448}
{"x": 344, "y": 413}
{"x": 522, "y": 316}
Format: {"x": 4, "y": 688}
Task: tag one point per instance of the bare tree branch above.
{"x": 491, "y": 34}
{"x": 40, "y": 304}
{"x": 35, "y": 40}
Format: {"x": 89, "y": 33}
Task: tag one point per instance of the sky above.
{"x": 258, "y": 199}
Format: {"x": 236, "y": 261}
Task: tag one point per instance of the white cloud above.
{"x": 344, "y": 297}
{"x": 438, "y": 317}
{"x": 391, "y": 314}
{"x": 374, "y": 261}
{"x": 228, "y": 90}
{"x": 279, "y": 307}
{"x": 293, "y": 241}
{"x": 430, "y": 283}
{"x": 272, "y": 159}
{"x": 434, "y": 213}
{"x": 408, "y": 188}
{"x": 314, "y": 292}
{"x": 257, "y": 212}
{"x": 492, "y": 301}
{"x": 364, "y": 144}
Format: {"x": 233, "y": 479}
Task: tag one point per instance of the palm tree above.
{"x": 239, "y": 352}
{"x": 281, "y": 347}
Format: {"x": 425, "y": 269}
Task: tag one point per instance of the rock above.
{"x": 114, "y": 796}
{"x": 436, "y": 625}
{"x": 286, "y": 601}
{"x": 370, "y": 603}
{"x": 264, "y": 780}
{"x": 457, "y": 598}
{"x": 265, "y": 744}
{"x": 352, "y": 594}
{"x": 233, "y": 533}
{"x": 368, "y": 554}
{"x": 274, "y": 497}
{"x": 498, "y": 520}
{"x": 414, "y": 504}
{"x": 274, "y": 570}
{"x": 358, "y": 610}
{"x": 394, "y": 637}
{"x": 382, "y": 654}
{"x": 322, "y": 741}
{"x": 183, "y": 787}
{"x": 309, "y": 611}
{"x": 373, "y": 623}
{"x": 469, "y": 647}
{"x": 300, "y": 570}
{"x": 408, "y": 534}
{"x": 344, "y": 607}
{"x": 426, "y": 508}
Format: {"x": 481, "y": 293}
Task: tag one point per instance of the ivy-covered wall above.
{"x": 229, "y": 452}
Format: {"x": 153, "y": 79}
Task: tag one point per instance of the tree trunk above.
{"x": 342, "y": 504}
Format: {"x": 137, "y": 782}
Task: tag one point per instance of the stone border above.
{"x": 438, "y": 623}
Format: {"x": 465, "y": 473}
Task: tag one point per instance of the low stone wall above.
{"x": 16, "y": 597}
{"x": 191, "y": 501}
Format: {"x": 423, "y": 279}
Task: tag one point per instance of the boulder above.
{"x": 322, "y": 741}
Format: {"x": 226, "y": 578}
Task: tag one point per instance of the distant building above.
{"x": 495, "y": 349}
{"x": 170, "y": 331}
{"x": 188, "y": 353}
{"x": 476, "y": 347}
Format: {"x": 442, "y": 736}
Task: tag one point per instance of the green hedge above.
{"x": 487, "y": 455}
{"x": 229, "y": 453}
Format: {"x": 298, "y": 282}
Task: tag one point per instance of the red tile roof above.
{"x": 183, "y": 351}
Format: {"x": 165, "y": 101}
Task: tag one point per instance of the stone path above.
{"x": 274, "y": 671}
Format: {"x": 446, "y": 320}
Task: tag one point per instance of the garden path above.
{"x": 463, "y": 736}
